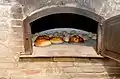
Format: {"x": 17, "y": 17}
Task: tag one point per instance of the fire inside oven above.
{"x": 64, "y": 32}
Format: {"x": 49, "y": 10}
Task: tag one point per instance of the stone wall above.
{"x": 91, "y": 5}
{"x": 105, "y": 8}
{"x": 11, "y": 44}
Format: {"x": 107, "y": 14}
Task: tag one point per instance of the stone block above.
{"x": 18, "y": 77}
{"x": 16, "y": 73}
{"x": 16, "y": 9}
{"x": 2, "y": 72}
{"x": 31, "y": 71}
{"x": 104, "y": 62}
{"x": 99, "y": 69}
{"x": 97, "y": 61}
{"x": 73, "y": 70}
{"x": 88, "y": 75}
{"x": 16, "y": 23}
{"x": 116, "y": 76}
{"x": 110, "y": 63}
{"x": 94, "y": 5}
{"x": 16, "y": 37}
{"x": 4, "y": 50}
{"x": 16, "y": 49}
{"x": 16, "y": 43}
{"x": 34, "y": 65}
{"x": 53, "y": 64}
{"x": 81, "y": 64}
{"x": 3, "y": 36}
{"x": 112, "y": 70}
{"x": 5, "y": 1}
{"x": 46, "y": 77}
{"x": 4, "y": 19}
{"x": 65, "y": 64}
{"x": 88, "y": 69}
{"x": 4, "y": 11}
{"x": 16, "y": 34}
{"x": 16, "y": 16}
{"x": 4, "y": 26}
{"x": 17, "y": 30}
{"x": 6, "y": 59}
{"x": 53, "y": 71}
{"x": 7, "y": 65}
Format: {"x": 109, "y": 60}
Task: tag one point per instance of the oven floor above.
{"x": 65, "y": 50}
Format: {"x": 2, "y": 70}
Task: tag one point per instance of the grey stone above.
{"x": 105, "y": 8}
{"x": 4, "y": 26}
{"x": 3, "y": 36}
{"x": 16, "y": 16}
{"x": 73, "y": 70}
{"x": 111, "y": 8}
{"x": 16, "y": 30}
{"x": 4, "y": 11}
{"x": 16, "y": 43}
{"x": 16, "y": 37}
{"x": 4, "y": 1}
{"x": 15, "y": 22}
{"x": 3, "y": 19}
{"x": 92, "y": 5}
{"x": 16, "y": 34}
{"x": 16, "y": 9}
{"x": 6, "y": 59}
{"x": 17, "y": 49}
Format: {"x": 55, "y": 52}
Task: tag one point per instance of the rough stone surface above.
{"x": 16, "y": 9}
{"x": 5, "y": 1}
{"x": 4, "y": 26}
{"x": 105, "y": 8}
{"x": 15, "y": 22}
{"x": 111, "y": 8}
{"x": 36, "y": 4}
{"x": 65, "y": 64}
{"x": 16, "y": 15}
{"x": 3, "y": 36}
{"x": 5, "y": 10}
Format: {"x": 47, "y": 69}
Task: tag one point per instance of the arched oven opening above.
{"x": 64, "y": 20}
{"x": 64, "y": 34}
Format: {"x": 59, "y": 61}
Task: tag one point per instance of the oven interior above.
{"x": 65, "y": 25}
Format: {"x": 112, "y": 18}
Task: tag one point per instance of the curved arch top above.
{"x": 49, "y": 11}
{"x": 62, "y": 9}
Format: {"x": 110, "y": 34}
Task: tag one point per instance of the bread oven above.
{"x": 62, "y": 31}
{"x": 70, "y": 32}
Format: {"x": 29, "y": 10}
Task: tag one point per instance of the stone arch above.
{"x": 49, "y": 11}
{"x": 45, "y": 11}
